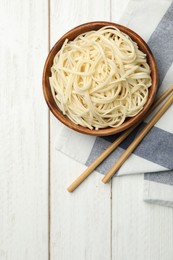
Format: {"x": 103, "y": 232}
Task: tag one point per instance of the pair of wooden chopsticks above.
{"x": 131, "y": 147}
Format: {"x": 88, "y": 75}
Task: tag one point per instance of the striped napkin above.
{"x": 153, "y": 21}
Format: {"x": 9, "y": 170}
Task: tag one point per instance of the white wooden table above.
{"x": 39, "y": 219}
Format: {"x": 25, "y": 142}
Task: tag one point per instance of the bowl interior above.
{"x": 71, "y": 35}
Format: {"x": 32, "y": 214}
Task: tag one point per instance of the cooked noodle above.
{"x": 100, "y": 78}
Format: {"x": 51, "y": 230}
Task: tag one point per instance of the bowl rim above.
{"x": 130, "y": 120}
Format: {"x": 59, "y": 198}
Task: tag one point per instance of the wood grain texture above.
{"x": 140, "y": 230}
{"x": 80, "y": 222}
{"x": 24, "y": 131}
{"x": 117, "y": 9}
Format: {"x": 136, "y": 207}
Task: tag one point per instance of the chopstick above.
{"x": 137, "y": 140}
{"x": 115, "y": 144}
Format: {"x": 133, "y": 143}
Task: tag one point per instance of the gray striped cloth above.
{"x": 153, "y": 20}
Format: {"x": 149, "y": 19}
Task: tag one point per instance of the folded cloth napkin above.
{"x": 153, "y": 21}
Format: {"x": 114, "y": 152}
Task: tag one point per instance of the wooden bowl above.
{"x": 73, "y": 34}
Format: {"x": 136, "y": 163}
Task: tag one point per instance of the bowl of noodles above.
{"x": 100, "y": 78}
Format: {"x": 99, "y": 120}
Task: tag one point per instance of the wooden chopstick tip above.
{"x": 70, "y": 189}
{"x": 105, "y": 179}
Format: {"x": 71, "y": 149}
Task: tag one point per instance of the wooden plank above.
{"x": 140, "y": 230}
{"x": 117, "y": 9}
{"x": 80, "y": 222}
{"x": 24, "y": 131}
